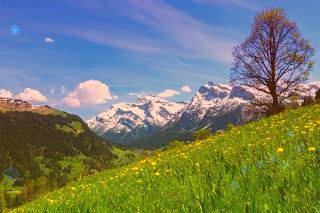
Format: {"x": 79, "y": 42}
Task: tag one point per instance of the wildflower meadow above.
{"x": 271, "y": 165}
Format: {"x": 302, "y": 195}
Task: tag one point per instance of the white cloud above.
{"x": 178, "y": 33}
{"x": 5, "y": 93}
{"x": 193, "y": 38}
{"x": 71, "y": 102}
{"x": 91, "y": 92}
{"x": 168, "y": 93}
{"x": 49, "y": 40}
{"x": 52, "y": 90}
{"x": 186, "y": 88}
{"x": 246, "y": 4}
{"x": 63, "y": 90}
{"x": 31, "y": 95}
{"x": 138, "y": 94}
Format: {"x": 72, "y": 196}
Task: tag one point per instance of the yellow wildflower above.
{"x": 51, "y": 201}
{"x": 279, "y": 150}
{"x": 157, "y": 174}
{"x": 312, "y": 149}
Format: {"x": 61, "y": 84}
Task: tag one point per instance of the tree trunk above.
{"x": 275, "y": 102}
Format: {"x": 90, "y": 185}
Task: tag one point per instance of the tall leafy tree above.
{"x": 274, "y": 59}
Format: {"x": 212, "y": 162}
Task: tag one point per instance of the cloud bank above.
{"x": 31, "y": 95}
{"x": 186, "y": 89}
{"x": 168, "y": 93}
{"x": 5, "y": 93}
{"x": 89, "y": 93}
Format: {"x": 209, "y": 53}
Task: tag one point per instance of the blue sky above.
{"x": 84, "y": 55}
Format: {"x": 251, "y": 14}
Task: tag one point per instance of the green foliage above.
{"x": 124, "y": 156}
{"x": 201, "y": 134}
{"x": 230, "y": 126}
{"x": 175, "y": 144}
{"x": 59, "y": 113}
{"x": 2, "y": 202}
{"x": 74, "y": 127}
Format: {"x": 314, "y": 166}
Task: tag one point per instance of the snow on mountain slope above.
{"x": 133, "y": 120}
{"x": 212, "y": 100}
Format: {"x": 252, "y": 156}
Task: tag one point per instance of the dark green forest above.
{"x": 32, "y": 147}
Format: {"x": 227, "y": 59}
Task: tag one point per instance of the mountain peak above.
{"x": 140, "y": 118}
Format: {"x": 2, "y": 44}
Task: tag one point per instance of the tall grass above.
{"x": 272, "y": 165}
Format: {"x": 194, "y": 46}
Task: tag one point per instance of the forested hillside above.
{"x": 42, "y": 152}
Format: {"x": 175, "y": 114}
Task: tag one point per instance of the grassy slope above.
{"x": 234, "y": 171}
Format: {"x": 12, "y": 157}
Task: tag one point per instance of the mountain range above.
{"x": 152, "y": 122}
{"x": 125, "y": 122}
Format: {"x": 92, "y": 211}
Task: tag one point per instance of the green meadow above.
{"x": 271, "y": 165}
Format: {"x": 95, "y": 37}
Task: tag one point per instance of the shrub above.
{"x": 175, "y": 144}
{"x": 230, "y": 126}
{"x": 201, "y": 134}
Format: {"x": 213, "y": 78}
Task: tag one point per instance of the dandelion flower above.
{"x": 280, "y": 150}
{"x": 312, "y": 149}
{"x": 157, "y": 174}
{"x": 51, "y": 201}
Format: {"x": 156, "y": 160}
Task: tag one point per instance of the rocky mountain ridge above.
{"x": 126, "y": 121}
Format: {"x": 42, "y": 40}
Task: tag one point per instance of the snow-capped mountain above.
{"x": 153, "y": 122}
{"x": 124, "y": 122}
{"x": 215, "y": 101}
{"x": 213, "y": 106}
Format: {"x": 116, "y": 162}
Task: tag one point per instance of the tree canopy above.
{"x": 273, "y": 59}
